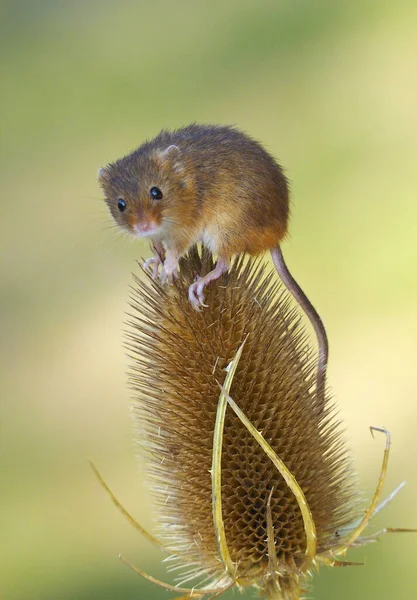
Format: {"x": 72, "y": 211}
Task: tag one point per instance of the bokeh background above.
{"x": 331, "y": 89}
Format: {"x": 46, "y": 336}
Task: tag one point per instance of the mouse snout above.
{"x": 145, "y": 226}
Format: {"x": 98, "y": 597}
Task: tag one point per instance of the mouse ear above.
{"x": 170, "y": 150}
{"x": 102, "y": 175}
{"x": 173, "y": 153}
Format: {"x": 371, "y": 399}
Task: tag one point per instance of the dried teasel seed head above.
{"x": 178, "y": 360}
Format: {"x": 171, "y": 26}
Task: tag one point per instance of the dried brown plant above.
{"x": 250, "y": 475}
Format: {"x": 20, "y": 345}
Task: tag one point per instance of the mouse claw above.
{"x": 148, "y": 263}
{"x": 156, "y": 262}
{"x": 167, "y": 276}
{"x": 195, "y": 294}
{"x": 164, "y": 277}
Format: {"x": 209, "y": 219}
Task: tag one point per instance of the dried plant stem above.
{"x": 272, "y": 553}
{"x": 216, "y": 474}
{"x": 122, "y": 509}
{"x": 190, "y": 592}
{"x": 309, "y": 527}
{"x": 371, "y": 508}
{"x": 370, "y": 511}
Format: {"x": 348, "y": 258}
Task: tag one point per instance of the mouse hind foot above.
{"x": 196, "y": 289}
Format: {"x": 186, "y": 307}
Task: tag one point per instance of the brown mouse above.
{"x": 211, "y": 184}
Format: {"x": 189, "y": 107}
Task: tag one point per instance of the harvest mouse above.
{"x": 211, "y": 184}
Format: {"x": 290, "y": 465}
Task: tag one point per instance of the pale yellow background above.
{"x": 331, "y": 89}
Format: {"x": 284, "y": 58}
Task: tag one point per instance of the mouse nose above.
{"x": 144, "y": 227}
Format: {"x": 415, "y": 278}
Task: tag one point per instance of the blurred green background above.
{"x": 331, "y": 89}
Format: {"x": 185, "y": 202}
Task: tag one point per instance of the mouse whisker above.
{"x": 113, "y": 226}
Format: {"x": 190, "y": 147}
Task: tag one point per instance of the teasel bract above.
{"x": 251, "y": 478}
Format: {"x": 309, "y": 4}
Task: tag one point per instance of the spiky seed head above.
{"x": 178, "y": 360}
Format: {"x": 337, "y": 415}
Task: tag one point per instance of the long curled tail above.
{"x": 312, "y": 314}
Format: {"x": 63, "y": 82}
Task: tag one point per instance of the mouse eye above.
{"x": 156, "y": 193}
{"x": 121, "y": 205}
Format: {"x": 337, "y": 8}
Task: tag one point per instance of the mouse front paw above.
{"x": 169, "y": 269}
